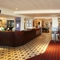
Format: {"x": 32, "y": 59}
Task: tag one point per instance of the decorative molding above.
{"x": 37, "y": 11}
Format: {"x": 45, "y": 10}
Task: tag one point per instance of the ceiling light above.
{"x": 16, "y": 8}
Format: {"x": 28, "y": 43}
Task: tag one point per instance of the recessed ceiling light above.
{"x": 16, "y": 8}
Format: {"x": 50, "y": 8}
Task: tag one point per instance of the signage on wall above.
{"x": 0, "y": 11}
{"x": 17, "y": 25}
{"x": 18, "y": 20}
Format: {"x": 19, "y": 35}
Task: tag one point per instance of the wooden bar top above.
{"x": 18, "y": 38}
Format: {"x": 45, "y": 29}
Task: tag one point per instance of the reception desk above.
{"x": 18, "y": 38}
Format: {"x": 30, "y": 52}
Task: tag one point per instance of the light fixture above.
{"x": 16, "y": 8}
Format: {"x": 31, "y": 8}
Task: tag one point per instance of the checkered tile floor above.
{"x": 32, "y": 48}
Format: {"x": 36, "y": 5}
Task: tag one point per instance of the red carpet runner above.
{"x": 52, "y": 52}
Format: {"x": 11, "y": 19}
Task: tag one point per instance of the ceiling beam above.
{"x": 36, "y": 11}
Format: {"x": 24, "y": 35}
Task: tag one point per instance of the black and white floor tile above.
{"x": 34, "y": 47}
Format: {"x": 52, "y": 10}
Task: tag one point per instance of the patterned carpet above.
{"x": 34, "y": 47}
{"x": 51, "y": 53}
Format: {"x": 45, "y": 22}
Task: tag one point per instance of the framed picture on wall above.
{"x": 27, "y": 25}
{"x": 10, "y": 23}
{"x": 30, "y": 21}
{"x": 27, "y": 21}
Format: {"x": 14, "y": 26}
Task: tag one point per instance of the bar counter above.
{"x": 18, "y": 38}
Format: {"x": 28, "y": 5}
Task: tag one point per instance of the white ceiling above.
{"x": 23, "y": 5}
{"x": 30, "y": 4}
